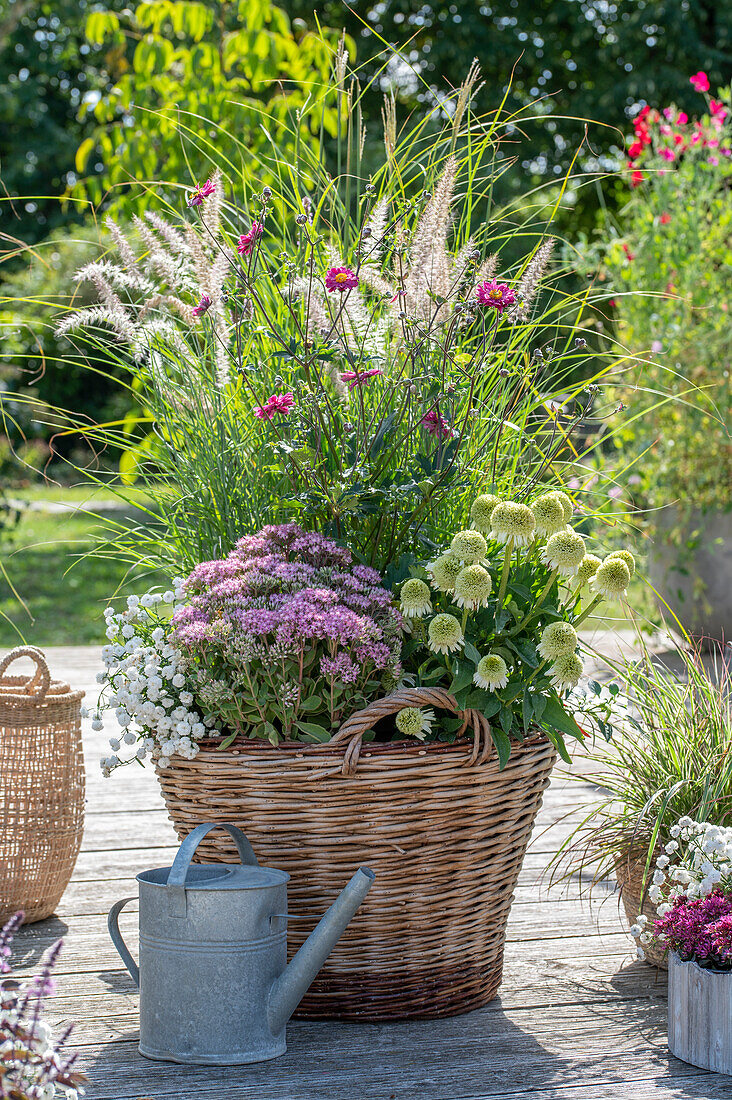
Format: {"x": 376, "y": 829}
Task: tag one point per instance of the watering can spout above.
{"x": 288, "y": 990}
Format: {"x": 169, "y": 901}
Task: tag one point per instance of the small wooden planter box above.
{"x": 700, "y": 1015}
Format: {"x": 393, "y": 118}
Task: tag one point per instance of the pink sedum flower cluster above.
{"x": 287, "y": 635}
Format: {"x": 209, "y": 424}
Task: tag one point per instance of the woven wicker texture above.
{"x": 629, "y": 868}
{"x": 444, "y": 830}
{"x": 41, "y": 787}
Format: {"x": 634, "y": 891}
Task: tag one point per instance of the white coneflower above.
{"x": 587, "y": 568}
{"x": 515, "y": 522}
{"x": 566, "y": 671}
{"x": 611, "y": 579}
{"x": 549, "y": 514}
{"x": 469, "y": 547}
{"x": 473, "y": 587}
{"x": 415, "y": 721}
{"x": 564, "y": 551}
{"x": 626, "y": 556}
{"x": 444, "y": 571}
{"x": 445, "y": 634}
{"x": 556, "y": 640}
{"x": 565, "y": 502}
{"x": 482, "y": 510}
{"x": 491, "y": 673}
{"x": 415, "y": 598}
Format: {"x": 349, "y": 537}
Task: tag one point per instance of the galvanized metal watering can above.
{"x": 215, "y": 987}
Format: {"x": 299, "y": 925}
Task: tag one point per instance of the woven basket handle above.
{"x": 356, "y": 726}
{"x": 41, "y": 678}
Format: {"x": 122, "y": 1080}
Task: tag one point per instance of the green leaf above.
{"x": 538, "y": 703}
{"x": 503, "y": 745}
{"x": 82, "y": 154}
{"x": 558, "y": 741}
{"x": 312, "y": 703}
{"x": 526, "y": 651}
{"x": 483, "y": 701}
{"x": 557, "y": 718}
{"x": 527, "y": 709}
{"x": 471, "y": 653}
{"x": 462, "y": 678}
{"x": 314, "y": 731}
{"x": 506, "y": 719}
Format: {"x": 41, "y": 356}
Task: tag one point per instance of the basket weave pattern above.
{"x": 41, "y": 788}
{"x": 443, "y": 828}
{"x": 629, "y": 868}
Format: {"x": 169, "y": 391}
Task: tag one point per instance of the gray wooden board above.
{"x": 577, "y": 1017}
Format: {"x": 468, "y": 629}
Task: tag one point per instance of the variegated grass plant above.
{"x": 364, "y": 356}
{"x": 670, "y": 757}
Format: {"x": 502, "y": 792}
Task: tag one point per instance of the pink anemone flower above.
{"x": 203, "y": 306}
{"x": 340, "y": 278}
{"x": 201, "y": 192}
{"x": 359, "y": 378}
{"x": 247, "y": 241}
{"x": 496, "y": 295}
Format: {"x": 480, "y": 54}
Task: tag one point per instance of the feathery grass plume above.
{"x": 163, "y": 283}
{"x": 531, "y": 280}
{"x": 428, "y": 274}
{"x": 465, "y": 93}
{"x": 389, "y": 121}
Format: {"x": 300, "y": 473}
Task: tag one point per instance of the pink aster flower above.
{"x": 700, "y": 81}
{"x": 668, "y": 154}
{"x": 340, "y": 278}
{"x": 247, "y": 240}
{"x": 203, "y": 306}
{"x": 436, "y": 424}
{"x": 713, "y": 160}
{"x": 682, "y": 118}
{"x": 359, "y": 378}
{"x": 201, "y": 192}
{"x": 717, "y": 109}
{"x": 496, "y": 295}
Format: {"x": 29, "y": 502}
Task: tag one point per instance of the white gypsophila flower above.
{"x": 659, "y": 878}
{"x": 662, "y": 861}
{"x": 654, "y": 894}
{"x": 640, "y": 953}
{"x": 635, "y": 930}
{"x": 671, "y": 847}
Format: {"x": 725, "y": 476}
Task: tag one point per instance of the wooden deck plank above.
{"x": 577, "y": 1017}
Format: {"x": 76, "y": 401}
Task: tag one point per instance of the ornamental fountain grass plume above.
{"x": 338, "y": 351}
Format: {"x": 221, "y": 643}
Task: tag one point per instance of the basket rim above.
{"x": 408, "y": 751}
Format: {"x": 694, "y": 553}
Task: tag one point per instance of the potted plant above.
{"x": 289, "y": 692}
{"x": 668, "y": 263}
{"x": 693, "y": 881}
{"x": 669, "y": 756}
{"x": 346, "y": 385}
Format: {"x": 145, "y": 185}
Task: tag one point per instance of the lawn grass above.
{"x": 64, "y": 596}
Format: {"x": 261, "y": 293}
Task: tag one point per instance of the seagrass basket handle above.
{"x": 41, "y": 678}
{"x": 354, "y": 727}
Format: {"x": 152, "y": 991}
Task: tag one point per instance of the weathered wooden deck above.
{"x": 577, "y": 1017}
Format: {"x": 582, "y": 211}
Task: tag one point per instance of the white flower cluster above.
{"x": 148, "y": 684}
{"x": 696, "y": 860}
{"x": 32, "y": 1061}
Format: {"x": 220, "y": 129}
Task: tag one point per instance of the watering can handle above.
{"x": 186, "y": 852}
{"x": 119, "y": 943}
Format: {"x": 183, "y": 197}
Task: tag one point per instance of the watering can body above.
{"x": 215, "y": 987}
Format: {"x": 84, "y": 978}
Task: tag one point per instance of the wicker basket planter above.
{"x": 443, "y": 828}
{"x": 629, "y": 868}
{"x": 41, "y": 788}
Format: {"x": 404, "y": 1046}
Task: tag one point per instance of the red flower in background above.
{"x": 700, "y": 81}
{"x": 636, "y": 179}
{"x": 665, "y": 218}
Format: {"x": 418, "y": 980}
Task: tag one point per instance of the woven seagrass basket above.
{"x": 41, "y": 788}
{"x": 629, "y": 868}
{"x": 442, "y": 827}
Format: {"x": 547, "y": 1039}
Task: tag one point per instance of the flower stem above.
{"x": 590, "y": 607}
{"x": 504, "y": 573}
